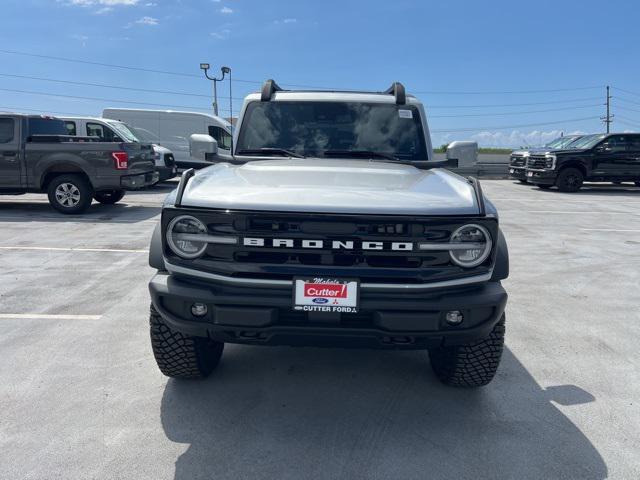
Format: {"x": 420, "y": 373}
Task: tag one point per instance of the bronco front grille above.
{"x": 389, "y": 263}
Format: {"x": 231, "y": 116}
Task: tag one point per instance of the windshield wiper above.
{"x": 358, "y": 154}
{"x": 269, "y": 151}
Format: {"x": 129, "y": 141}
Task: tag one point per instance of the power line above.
{"x": 623, "y": 99}
{"x": 430, "y": 107}
{"x": 190, "y": 107}
{"x": 476, "y": 129}
{"x": 23, "y": 109}
{"x": 626, "y": 91}
{"x": 256, "y": 82}
{"x": 507, "y": 92}
{"x": 103, "y": 85}
{"x": 513, "y": 113}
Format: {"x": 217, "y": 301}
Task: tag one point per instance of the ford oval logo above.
{"x": 320, "y": 300}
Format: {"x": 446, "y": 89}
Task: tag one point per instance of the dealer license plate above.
{"x": 326, "y": 295}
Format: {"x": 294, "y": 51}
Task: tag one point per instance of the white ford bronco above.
{"x": 329, "y": 225}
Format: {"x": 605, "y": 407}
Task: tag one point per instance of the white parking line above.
{"x": 41, "y": 316}
{"x": 609, "y": 230}
{"x": 74, "y": 249}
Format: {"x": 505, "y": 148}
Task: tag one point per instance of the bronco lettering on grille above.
{"x": 326, "y": 244}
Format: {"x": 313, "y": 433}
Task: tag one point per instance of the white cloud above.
{"x": 150, "y": 4}
{"x": 505, "y": 139}
{"x": 221, "y": 34}
{"x": 286, "y": 20}
{"x": 516, "y": 138}
{"x": 226, "y": 10}
{"x": 147, "y": 21}
{"x": 103, "y": 2}
{"x": 103, "y": 10}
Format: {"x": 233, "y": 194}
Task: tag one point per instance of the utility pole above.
{"x": 205, "y": 67}
{"x": 608, "y": 119}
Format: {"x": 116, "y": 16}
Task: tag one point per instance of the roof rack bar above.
{"x": 397, "y": 90}
{"x": 184, "y": 179}
{"x": 268, "y": 88}
{"x": 479, "y": 196}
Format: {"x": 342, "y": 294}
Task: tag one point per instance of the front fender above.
{"x": 501, "y": 267}
{"x": 156, "y": 259}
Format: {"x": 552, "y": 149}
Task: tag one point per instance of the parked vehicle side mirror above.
{"x": 203, "y": 147}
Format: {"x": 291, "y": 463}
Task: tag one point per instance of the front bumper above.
{"x": 262, "y": 316}
{"x": 165, "y": 173}
{"x": 141, "y": 180}
{"x": 519, "y": 173}
{"x": 541, "y": 177}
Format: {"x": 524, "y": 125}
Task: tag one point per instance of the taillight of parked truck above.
{"x": 121, "y": 160}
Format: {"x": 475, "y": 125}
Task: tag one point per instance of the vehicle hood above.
{"x": 520, "y": 153}
{"x": 330, "y": 186}
{"x": 160, "y": 149}
{"x": 570, "y": 151}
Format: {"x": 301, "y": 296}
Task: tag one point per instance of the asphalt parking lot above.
{"x": 81, "y": 397}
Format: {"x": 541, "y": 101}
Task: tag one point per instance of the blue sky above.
{"x": 461, "y": 56}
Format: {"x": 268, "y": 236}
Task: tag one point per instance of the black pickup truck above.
{"x": 37, "y": 155}
{"x": 597, "y": 158}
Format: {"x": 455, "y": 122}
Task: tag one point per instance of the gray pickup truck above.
{"x": 37, "y": 155}
{"x": 329, "y": 226}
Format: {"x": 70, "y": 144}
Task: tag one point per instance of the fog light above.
{"x": 454, "y": 317}
{"x": 199, "y": 309}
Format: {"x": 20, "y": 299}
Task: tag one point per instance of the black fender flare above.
{"x": 156, "y": 259}
{"x": 501, "y": 267}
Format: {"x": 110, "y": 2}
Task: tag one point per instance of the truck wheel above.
{"x": 522, "y": 180}
{"x": 570, "y": 180}
{"x": 109, "y": 197}
{"x": 544, "y": 187}
{"x": 179, "y": 355}
{"x": 70, "y": 193}
{"x": 472, "y": 365}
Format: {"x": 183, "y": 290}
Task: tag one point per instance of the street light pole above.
{"x": 205, "y": 67}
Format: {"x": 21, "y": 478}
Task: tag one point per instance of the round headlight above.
{"x": 471, "y": 245}
{"x": 180, "y": 230}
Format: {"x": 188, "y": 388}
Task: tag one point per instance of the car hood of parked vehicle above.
{"x": 331, "y": 186}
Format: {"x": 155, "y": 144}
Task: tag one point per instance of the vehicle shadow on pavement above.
{"x": 328, "y": 413}
{"x": 43, "y": 212}
{"x": 597, "y": 190}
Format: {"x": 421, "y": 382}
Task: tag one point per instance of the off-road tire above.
{"x": 109, "y": 197}
{"x": 521, "y": 180}
{"x": 179, "y": 355}
{"x": 75, "y": 183}
{"x": 569, "y": 180}
{"x": 544, "y": 187}
{"x": 472, "y": 365}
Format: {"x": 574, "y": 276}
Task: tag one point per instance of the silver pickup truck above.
{"x": 329, "y": 226}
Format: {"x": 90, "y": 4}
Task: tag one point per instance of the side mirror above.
{"x": 202, "y": 147}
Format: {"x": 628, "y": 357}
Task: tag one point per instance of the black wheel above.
{"x": 522, "y": 180}
{"x": 544, "y": 187}
{"x": 179, "y": 355}
{"x": 472, "y": 365}
{"x": 570, "y": 180}
{"x": 70, "y": 193}
{"x": 109, "y": 197}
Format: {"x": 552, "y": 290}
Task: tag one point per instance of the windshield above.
{"x": 587, "y": 141}
{"x": 124, "y": 131}
{"x": 144, "y": 135}
{"x": 47, "y": 126}
{"x": 561, "y": 142}
{"x": 334, "y": 129}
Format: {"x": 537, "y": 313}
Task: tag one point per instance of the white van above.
{"x": 115, "y": 131}
{"x": 172, "y": 129}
